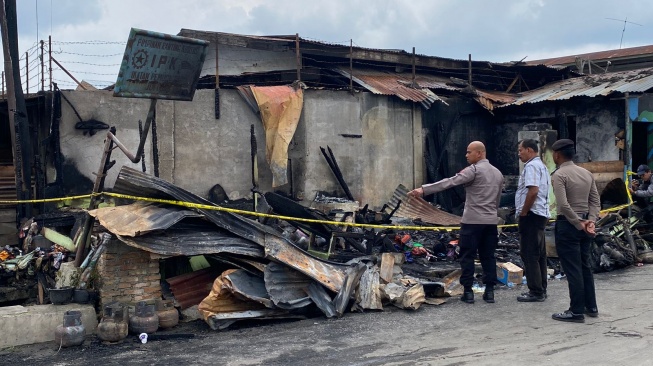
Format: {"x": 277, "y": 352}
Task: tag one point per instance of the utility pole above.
{"x": 27, "y": 73}
{"x": 298, "y": 57}
{"x": 42, "y": 68}
{"x": 50, "y": 59}
{"x": 469, "y": 70}
{"x": 18, "y": 122}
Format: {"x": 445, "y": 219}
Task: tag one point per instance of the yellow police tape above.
{"x": 287, "y": 218}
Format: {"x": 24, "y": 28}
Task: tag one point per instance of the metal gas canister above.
{"x": 72, "y": 332}
{"x": 168, "y": 315}
{"x": 144, "y": 319}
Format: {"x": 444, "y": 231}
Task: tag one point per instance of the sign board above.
{"x": 160, "y": 66}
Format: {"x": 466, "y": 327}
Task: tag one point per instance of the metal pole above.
{"x": 42, "y": 68}
{"x": 351, "y": 66}
{"x": 67, "y": 73}
{"x": 299, "y": 75}
{"x": 629, "y": 137}
{"x": 469, "y": 70}
{"x": 26, "y": 73}
{"x": 50, "y": 60}
{"x": 413, "y": 82}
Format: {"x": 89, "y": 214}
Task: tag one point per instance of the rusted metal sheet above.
{"x": 136, "y": 183}
{"x": 220, "y": 299}
{"x": 191, "y": 288}
{"x": 160, "y": 66}
{"x": 417, "y": 208}
{"x": 248, "y": 286}
{"x": 640, "y": 80}
{"x": 321, "y": 298}
{"x": 140, "y": 218}
{"x": 158, "y": 228}
{"x": 287, "y": 287}
{"x": 354, "y": 274}
{"x": 329, "y": 274}
{"x": 596, "y": 56}
{"x": 384, "y": 83}
{"x": 194, "y": 241}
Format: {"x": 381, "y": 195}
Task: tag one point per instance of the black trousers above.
{"x": 532, "y": 248}
{"x": 574, "y": 248}
{"x": 482, "y": 239}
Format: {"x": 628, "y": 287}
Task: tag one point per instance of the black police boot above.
{"x": 488, "y": 295}
{"x": 468, "y": 297}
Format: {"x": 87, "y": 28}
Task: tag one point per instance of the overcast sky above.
{"x": 493, "y": 30}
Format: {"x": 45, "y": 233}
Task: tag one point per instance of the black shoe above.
{"x": 568, "y": 316}
{"x": 488, "y": 296}
{"x": 592, "y": 312}
{"x": 468, "y": 297}
{"x": 529, "y": 297}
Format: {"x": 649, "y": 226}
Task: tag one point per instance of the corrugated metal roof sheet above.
{"x": 194, "y": 241}
{"x": 399, "y": 84}
{"x": 191, "y": 288}
{"x": 140, "y": 218}
{"x": 590, "y": 86}
{"x": 417, "y": 208}
{"x": 287, "y": 287}
{"x": 594, "y": 56}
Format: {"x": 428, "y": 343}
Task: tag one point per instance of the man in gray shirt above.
{"x": 478, "y": 233}
{"x": 532, "y": 209}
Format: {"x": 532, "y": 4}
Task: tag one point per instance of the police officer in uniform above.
{"x": 578, "y": 208}
{"x": 478, "y": 233}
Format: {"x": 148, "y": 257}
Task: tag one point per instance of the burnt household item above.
{"x": 61, "y": 296}
{"x": 144, "y": 319}
{"x": 114, "y": 326}
{"x": 81, "y": 296}
{"x": 167, "y": 313}
{"x": 72, "y": 331}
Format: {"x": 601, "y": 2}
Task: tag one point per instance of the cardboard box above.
{"x": 509, "y": 272}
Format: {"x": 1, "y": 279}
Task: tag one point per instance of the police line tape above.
{"x": 280, "y": 217}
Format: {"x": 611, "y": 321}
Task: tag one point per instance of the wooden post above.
{"x": 42, "y": 68}
{"x": 26, "y": 73}
{"x": 351, "y": 66}
{"x": 469, "y": 70}
{"x": 299, "y": 62}
{"x": 50, "y": 58}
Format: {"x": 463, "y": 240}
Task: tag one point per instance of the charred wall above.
{"x": 591, "y": 122}
{"x": 449, "y": 129}
{"x": 371, "y": 136}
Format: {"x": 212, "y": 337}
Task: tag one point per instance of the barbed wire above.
{"x": 88, "y": 55}
{"x": 313, "y": 66}
{"x": 29, "y": 70}
{"x": 30, "y": 51}
{"x": 95, "y": 42}
{"x": 87, "y": 63}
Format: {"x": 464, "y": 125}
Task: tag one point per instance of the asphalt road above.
{"x": 504, "y": 333}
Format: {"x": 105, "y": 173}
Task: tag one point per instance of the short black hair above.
{"x": 567, "y": 152}
{"x": 529, "y": 143}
